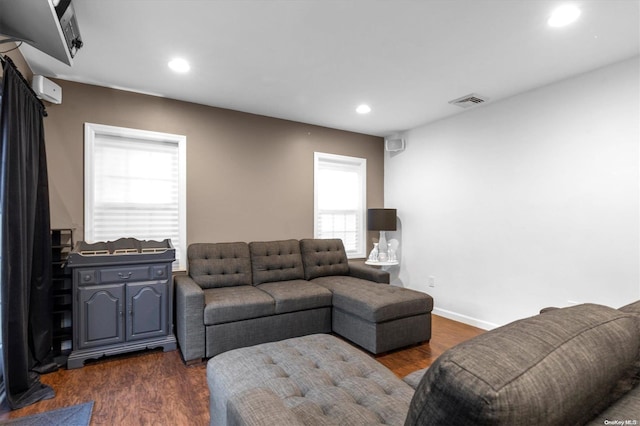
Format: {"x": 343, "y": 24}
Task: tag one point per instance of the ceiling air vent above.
{"x": 469, "y": 100}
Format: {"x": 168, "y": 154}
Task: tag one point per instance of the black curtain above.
{"x": 25, "y": 242}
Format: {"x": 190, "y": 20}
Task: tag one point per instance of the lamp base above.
{"x": 383, "y": 248}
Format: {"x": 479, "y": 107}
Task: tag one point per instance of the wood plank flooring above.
{"x": 156, "y": 388}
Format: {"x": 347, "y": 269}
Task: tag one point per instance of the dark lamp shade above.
{"x": 381, "y": 219}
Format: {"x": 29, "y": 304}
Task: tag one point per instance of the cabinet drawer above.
{"x": 125, "y": 274}
{"x": 160, "y": 272}
{"x": 87, "y": 276}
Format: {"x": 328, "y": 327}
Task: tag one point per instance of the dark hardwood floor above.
{"x": 156, "y": 388}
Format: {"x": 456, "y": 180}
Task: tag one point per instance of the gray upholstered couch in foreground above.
{"x": 571, "y": 366}
{"x": 239, "y": 294}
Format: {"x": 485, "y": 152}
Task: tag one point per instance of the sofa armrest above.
{"x": 259, "y": 407}
{"x": 190, "y": 328}
{"x": 497, "y": 377}
{"x": 358, "y": 269}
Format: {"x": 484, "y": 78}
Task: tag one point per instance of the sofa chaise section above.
{"x": 376, "y": 316}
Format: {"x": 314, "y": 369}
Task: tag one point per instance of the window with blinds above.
{"x": 340, "y": 200}
{"x": 135, "y": 186}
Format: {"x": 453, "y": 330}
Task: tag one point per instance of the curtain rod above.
{"x": 7, "y": 60}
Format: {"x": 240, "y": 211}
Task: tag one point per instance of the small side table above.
{"x": 385, "y": 263}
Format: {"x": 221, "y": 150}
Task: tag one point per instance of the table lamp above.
{"x": 382, "y": 220}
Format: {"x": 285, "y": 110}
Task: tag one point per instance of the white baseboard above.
{"x": 465, "y": 319}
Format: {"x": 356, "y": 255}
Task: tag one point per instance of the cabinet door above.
{"x": 101, "y": 315}
{"x": 147, "y": 310}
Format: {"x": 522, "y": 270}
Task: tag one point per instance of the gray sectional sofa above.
{"x": 570, "y": 366}
{"x": 239, "y": 294}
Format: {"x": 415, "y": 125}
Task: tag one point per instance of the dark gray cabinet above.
{"x": 121, "y": 308}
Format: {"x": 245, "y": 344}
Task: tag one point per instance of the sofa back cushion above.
{"x": 214, "y": 265}
{"x": 560, "y": 367}
{"x": 276, "y": 261}
{"x": 323, "y": 257}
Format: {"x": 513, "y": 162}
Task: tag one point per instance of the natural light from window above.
{"x": 135, "y": 186}
{"x": 340, "y": 191}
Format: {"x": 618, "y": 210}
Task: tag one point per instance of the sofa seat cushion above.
{"x": 236, "y": 303}
{"x": 276, "y": 261}
{"x": 316, "y": 379}
{"x": 560, "y": 367}
{"x": 296, "y": 295}
{"x": 375, "y": 302}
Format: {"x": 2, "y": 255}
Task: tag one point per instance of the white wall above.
{"x": 528, "y": 202}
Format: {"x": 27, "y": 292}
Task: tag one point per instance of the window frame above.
{"x": 93, "y": 130}
{"x": 359, "y": 164}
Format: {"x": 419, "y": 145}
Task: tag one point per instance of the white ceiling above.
{"x": 314, "y": 61}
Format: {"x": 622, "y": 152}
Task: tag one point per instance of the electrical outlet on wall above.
{"x": 432, "y": 281}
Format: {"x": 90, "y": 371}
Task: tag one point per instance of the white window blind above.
{"x": 340, "y": 200}
{"x": 135, "y": 186}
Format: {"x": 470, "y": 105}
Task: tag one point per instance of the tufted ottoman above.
{"x": 310, "y": 380}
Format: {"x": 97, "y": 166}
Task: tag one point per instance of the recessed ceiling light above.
{"x": 564, "y": 15}
{"x": 179, "y": 65}
{"x": 363, "y": 109}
